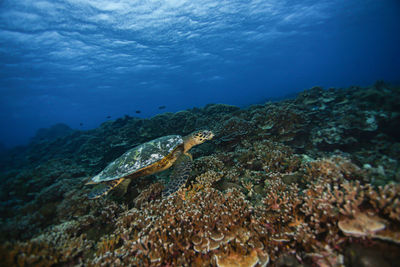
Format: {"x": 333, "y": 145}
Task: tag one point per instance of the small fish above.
{"x": 161, "y": 107}
{"x": 81, "y": 124}
{"x": 108, "y": 117}
{"x": 137, "y": 111}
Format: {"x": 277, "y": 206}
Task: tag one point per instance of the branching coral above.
{"x": 209, "y": 221}
{"x": 386, "y": 200}
{"x": 334, "y": 168}
{"x": 50, "y": 248}
{"x": 153, "y": 191}
{"x": 208, "y": 178}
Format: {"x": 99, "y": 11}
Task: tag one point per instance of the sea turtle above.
{"x": 149, "y": 158}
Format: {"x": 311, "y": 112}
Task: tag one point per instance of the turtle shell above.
{"x": 139, "y": 157}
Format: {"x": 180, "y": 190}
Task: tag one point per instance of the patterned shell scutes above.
{"x": 139, "y": 157}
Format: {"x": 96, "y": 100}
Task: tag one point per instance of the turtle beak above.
{"x": 210, "y": 135}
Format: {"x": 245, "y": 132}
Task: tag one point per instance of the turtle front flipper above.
{"x": 180, "y": 174}
{"x": 103, "y": 188}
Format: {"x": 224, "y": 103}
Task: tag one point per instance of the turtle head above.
{"x": 202, "y": 136}
{"x": 197, "y": 138}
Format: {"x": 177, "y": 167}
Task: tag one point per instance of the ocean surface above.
{"x": 200, "y": 133}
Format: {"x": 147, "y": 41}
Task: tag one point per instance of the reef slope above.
{"x": 309, "y": 181}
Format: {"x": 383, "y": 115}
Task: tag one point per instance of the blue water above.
{"x": 79, "y": 61}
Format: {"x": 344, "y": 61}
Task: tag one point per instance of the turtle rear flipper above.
{"x": 103, "y": 188}
{"x": 180, "y": 174}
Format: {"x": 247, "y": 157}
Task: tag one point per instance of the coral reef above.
{"x": 310, "y": 181}
{"x": 52, "y": 133}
